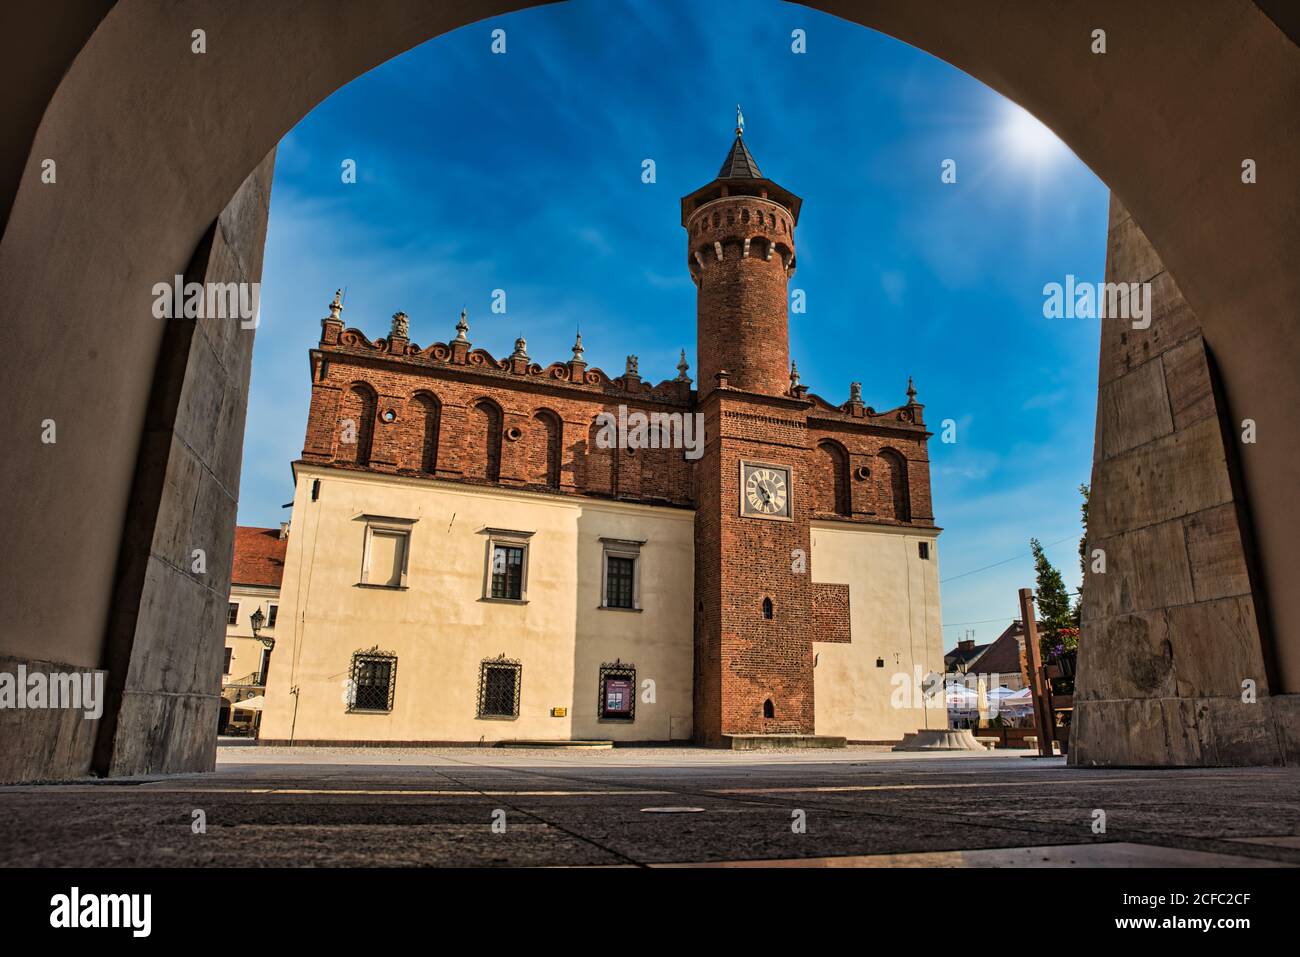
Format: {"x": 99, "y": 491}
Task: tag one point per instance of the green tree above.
{"x": 1054, "y": 611}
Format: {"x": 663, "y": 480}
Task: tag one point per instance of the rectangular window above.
{"x": 387, "y": 554}
{"x": 506, "y": 575}
{"x": 619, "y": 573}
{"x": 271, "y": 611}
{"x": 374, "y": 681}
{"x": 923, "y": 549}
{"x": 617, "y": 692}
{"x": 225, "y": 667}
{"x": 508, "y": 572}
{"x": 232, "y": 613}
{"x": 499, "y": 683}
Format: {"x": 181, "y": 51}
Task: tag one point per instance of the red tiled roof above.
{"x": 259, "y": 556}
{"x": 1003, "y": 656}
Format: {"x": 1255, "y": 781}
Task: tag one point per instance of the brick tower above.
{"x": 753, "y": 617}
{"x": 741, "y": 245}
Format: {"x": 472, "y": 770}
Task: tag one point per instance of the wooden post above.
{"x": 1042, "y": 706}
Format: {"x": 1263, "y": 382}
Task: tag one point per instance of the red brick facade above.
{"x": 450, "y": 411}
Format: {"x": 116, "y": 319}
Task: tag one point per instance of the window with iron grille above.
{"x": 508, "y": 571}
{"x": 620, "y": 573}
{"x": 232, "y": 612}
{"x": 617, "y": 692}
{"x": 374, "y": 681}
{"x": 499, "y": 681}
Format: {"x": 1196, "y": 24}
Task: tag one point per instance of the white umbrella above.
{"x": 959, "y": 696}
{"x": 250, "y": 704}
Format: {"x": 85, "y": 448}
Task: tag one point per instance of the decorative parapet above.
{"x": 518, "y": 364}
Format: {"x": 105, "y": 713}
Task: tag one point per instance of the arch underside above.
{"x": 1159, "y": 118}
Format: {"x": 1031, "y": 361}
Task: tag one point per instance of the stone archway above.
{"x": 152, "y": 141}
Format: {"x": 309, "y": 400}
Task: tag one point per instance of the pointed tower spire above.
{"x": 740, "y": 162}
{"x": 460, "y": 345}
{"x": 682, "y": 366}
{"x": 331, "y": 327}
{"x": 578, "y": 364}
{"x": 911, "y": 392}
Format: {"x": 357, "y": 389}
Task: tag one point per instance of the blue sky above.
{"x": 522, "y": 171}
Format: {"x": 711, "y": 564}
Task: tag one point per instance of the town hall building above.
{"x": 472, "y": 559}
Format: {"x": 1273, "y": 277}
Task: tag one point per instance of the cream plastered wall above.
{"x": 441, "y": 628}
{"x": 246, "y": 651}
{"x": 894, "y": 614}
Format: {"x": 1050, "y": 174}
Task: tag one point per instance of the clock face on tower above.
{"x": 765, "y": 491}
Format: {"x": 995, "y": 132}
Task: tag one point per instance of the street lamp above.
{"x": 257, "y": 620}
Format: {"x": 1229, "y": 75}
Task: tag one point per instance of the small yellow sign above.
{"x": 559, "y": 712}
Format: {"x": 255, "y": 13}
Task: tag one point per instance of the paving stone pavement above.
{"x": 861, "y": 807}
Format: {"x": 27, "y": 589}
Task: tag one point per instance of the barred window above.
{"x": 374, "y": 681}
{"x": 619, "y": 576}
{"x": 232, "y": 613}
{"x": 617, "y": 692}
{"x": 499, "y": 681}
{"x": 508, "y": 571}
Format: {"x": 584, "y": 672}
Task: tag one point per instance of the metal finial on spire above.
{"x": 682, "y": 366}
{"x": 577, "y": 347}
{"x": 911, "y": 391}
{"x": 462, "y": 327}
{"x": 794, "y": 375}
{"x": 740, "y": 121}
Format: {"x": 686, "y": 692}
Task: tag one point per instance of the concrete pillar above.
{"x": 1175, "y": 631}
{"x": 167, "y": 626}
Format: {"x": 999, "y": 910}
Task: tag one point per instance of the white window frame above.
{"x": 271, "y": 619}
{"x": 235, "y": 623}
{"x": 620, "y": 548}
{"x": 390, "y": 525}
{"x": 509, "y": 538}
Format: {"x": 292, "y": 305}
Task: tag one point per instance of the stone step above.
{"x": 764, "y": 742}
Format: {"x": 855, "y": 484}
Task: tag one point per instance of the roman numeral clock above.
{"x": 765, "y": 491}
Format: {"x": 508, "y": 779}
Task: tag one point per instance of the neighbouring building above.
{"x": 475, "y": 557}
{"x": 1001, "y": 662}
{"x": 254, "y": 589}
